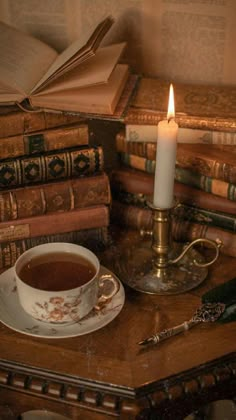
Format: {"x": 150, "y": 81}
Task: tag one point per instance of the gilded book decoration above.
{"x": 14, "y": 121}
{"x": 50, "y": 224}
{"x": 51, "y": 166}
{"x": 52, "y": 197}
{"x": 44, "y": 141}
{"x": 199, "y": 107}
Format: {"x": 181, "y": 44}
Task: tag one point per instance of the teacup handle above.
{"x": 107, "y": 277}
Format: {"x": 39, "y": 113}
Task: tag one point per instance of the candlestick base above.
{"x": 137, "y": 269}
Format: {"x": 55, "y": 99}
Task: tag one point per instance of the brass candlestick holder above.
{"x": 160, "y": 266}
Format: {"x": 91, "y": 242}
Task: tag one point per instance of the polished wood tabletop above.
{"x": 106, "y": 374}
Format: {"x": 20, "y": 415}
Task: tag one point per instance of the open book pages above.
{"x": 30, "y": 69}
{"x": 99, "y": 98}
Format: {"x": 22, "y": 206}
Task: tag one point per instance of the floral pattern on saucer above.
{"x": 13, "y": 316}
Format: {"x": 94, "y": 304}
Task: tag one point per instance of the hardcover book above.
{"x": 213, "y": 160}
{"x": 50, "y": 166}
{"x": 50, "y": 224}
{"x": 182, "y": 231}
{"x": 182, "y": 211}
{"x": 15, "y": 121}
{"x": 216, "y": 161}
{"x": 196, "y": 106}
{"x": 96, "y": 239}
{"x": 147, "y": 133}
{"x": 52, "y": 197}
{"x": 138, "y": 182}
{"x": 83, "y": 78}
{"x": 44, "y": 141}
{"x": 186, "y": 173}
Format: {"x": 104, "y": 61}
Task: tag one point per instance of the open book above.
{"x": 83, "y": 78}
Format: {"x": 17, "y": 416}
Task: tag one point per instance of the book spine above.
{"x": 139, "y": 182}
{"x": 148, "y": 134}
{"x": 207, "y": 217}
{"x": 131, "y": 216}
{"x": 19, "y": 122}
{"x": 187, "y": 232}
{"x": 206, "y": 183}
{"x": 183, "y": 211}
{"x": 206, "y": 164}
{"x": 83, "y": 218}
{"x": 197, "y": 106}
{"x": 186, "y": 176}
{"x": 54, "y": 197}
{"x": 44, "y": 141}
{"x": 183, "y": 231}
{"x": 138, "y": 162}
{"x": 51, "y": 166}
{"x": 133, "y": 199}
{"x": 152, "y": 117}
{"x": 138, "y": 148}
{"x": 96, "y": 239}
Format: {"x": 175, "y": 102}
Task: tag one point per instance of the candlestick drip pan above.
{"x": 136, "y": 268}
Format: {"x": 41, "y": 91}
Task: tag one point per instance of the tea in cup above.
{"x": 60, "y": 283}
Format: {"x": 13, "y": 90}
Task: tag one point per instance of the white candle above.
{"x": 167, "y": 131}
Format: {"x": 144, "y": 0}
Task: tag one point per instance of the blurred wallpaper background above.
{"x": 181, "y": 40}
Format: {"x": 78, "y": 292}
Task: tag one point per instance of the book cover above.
{"x": 84, "y": 77}
{"x": 50, "y": 166}
{"x": 185, "y": 174}
{"x": 196, "y": 106}
{"x": 182, "y": 211}
{"x": 15, "y": 121}
{"x": 96, "y": 239}
{"x": 44, "y": 141}
{"x": 52, "y": 197}
{"x": 138, "y": 182}
{"x": 52, "y": 223}
{"x": 139, "y": 148}
{"x": 183, "y": 231}
{"x": 147, "y": 133}
{"x": 216, "y": 161}
{"x": 206, "y": 217}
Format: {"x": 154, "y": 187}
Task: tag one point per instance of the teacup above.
{"x": 60, "y": 283}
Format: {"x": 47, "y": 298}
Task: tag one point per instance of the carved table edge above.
{"x": 182, "y": 394}
{"x": 114, "y": 399}
{"x": 68, "y": 389}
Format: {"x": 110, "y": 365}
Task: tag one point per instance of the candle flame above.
{"x": 171, "y": 104}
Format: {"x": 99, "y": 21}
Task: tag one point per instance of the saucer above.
{"x": 13, "y": 315}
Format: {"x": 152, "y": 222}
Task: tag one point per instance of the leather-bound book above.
{"x": 44, "y": 141}
{"x": 216, "y": 161}
{"x": 192, "y": 170}
{"x": 60, "y": 196}
{"x": 15, "y": 121}
{"x": 206, "y": 107}
{"x": 51, "y": 166}
{"x": 183, "y": 231}
{"x": 96, "y": 239}
{"x": 135, "y": 181}
{"x": 183, "y": 211}
{"x": 54, "y": 223}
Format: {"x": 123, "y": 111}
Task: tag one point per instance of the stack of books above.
{"x": 205, "y": 175}
{"x": 53, "y": 186}
{"x": 53, "y": 182}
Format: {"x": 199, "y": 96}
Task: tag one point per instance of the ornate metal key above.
{"x": 209, "y": 312}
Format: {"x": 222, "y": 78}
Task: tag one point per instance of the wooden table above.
{"x": 106, "y": 374}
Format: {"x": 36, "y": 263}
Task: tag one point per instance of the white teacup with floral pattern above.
{"x": 63, "y": 306}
